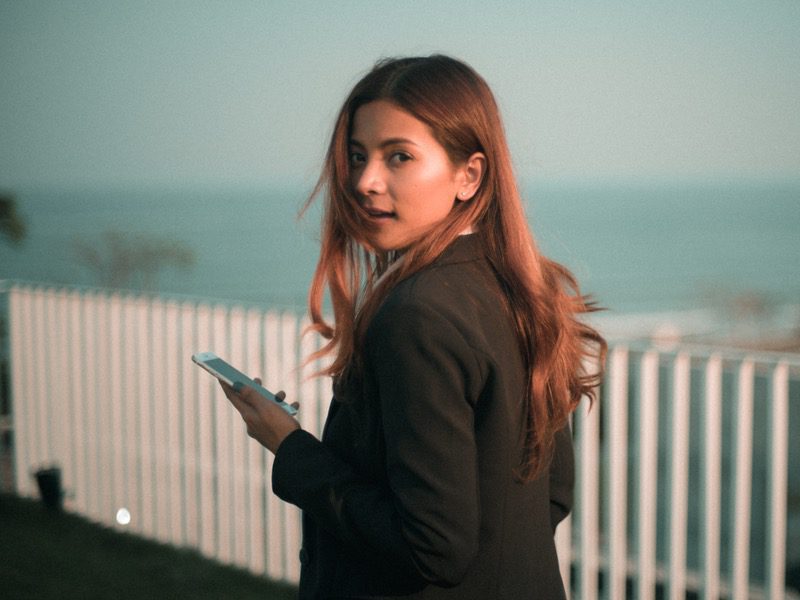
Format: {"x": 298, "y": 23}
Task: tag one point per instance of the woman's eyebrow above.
{"x": 388, "y": 142}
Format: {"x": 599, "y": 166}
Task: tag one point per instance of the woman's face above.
{"x": 403, "y": 177}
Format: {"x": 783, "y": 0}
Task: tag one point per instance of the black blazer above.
{"x": 411, "y": 492}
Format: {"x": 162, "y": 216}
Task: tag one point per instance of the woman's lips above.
{"x": 377, "y": 214}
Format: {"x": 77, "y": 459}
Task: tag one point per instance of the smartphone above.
{"x": 235, "y": 378}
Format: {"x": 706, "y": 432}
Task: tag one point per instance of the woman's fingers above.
{"x": 266, "y": 422}
{"x": 280, "y": 395}
{"x": 243, "y": 393}
{"x": 234, "y": 397}
{"x": 251, "y": 396}
{"x": 229, "y": 391}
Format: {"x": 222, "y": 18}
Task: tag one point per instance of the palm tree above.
{"x": 12, "y": 226}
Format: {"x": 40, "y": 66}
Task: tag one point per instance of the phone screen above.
{"x": 227, "y": 372}
{"x": 233, "y": 377}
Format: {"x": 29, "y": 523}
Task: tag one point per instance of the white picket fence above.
{"x": 684, "y": 450}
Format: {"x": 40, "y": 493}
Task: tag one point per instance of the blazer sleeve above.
{"x": 428, "y": 518}
{"x": 562, "y": 477}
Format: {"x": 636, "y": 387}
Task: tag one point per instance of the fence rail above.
{"x": 684, "y": 468}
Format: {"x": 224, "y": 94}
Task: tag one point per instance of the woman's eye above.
{"x": 399, "y": 157}
{"x": 356, "y": 158}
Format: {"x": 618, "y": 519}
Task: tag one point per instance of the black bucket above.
{"x": 49, "y": 482}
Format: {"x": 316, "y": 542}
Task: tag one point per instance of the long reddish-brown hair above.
{"x": 564, "y": 356}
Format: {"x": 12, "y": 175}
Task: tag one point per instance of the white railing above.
{"x": 683, "y": 475}
{"x": 686, "y": 448}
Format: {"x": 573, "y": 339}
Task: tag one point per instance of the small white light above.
{"x": 123, "y": 516}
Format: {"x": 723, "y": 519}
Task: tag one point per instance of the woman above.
{"x": 457, "y": 357}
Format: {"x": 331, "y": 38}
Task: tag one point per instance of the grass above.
{"x": 51, "y": 554}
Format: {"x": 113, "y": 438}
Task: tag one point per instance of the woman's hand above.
{"x": 267, "y": 423}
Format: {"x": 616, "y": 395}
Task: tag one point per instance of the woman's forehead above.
{"x": 380, "y": 121}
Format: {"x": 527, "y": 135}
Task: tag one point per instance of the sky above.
{"x": 177, "y": 93}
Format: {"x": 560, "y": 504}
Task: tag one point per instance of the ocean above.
{"x": 636, "y": 248}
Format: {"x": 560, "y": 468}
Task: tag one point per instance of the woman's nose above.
{"x": 369, "y": 179}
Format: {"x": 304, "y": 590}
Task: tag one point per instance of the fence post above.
{"x": 742, "y": 456}
{"x": 617, "y": 468}
{"x": 678, "y": 481}
{"x": 712, "y": 459}
{"x": 648, "y": 475}
{"x": 778, "y": 474}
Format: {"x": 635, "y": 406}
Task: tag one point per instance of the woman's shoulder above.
{"x": 453, "y": 307}
{"x": 423, "y": 315}
{"x": 423, "y": 295}
{"x": 457, "y": 291}
{"x": 460, "y": 268}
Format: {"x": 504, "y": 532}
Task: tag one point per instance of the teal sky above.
{"x": 179, "y": 93}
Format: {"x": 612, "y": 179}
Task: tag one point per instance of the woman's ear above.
{"x": 472, "y": 174}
